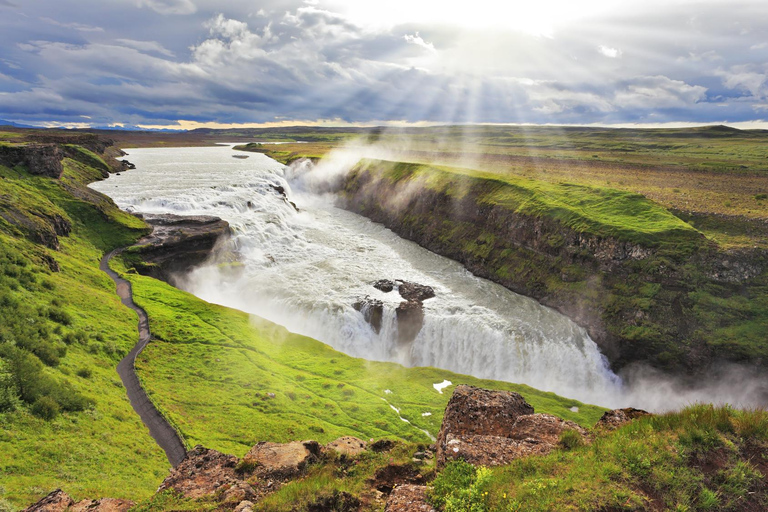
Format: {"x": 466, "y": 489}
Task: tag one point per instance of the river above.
{"x": 305, "y": 269}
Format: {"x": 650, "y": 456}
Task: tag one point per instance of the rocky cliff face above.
{"x": 176, "y": 244}
{"x": 637, "y": 302}
{"x": 39, "y": 159}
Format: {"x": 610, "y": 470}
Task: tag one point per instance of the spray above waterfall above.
{"x": 307, "y": 269}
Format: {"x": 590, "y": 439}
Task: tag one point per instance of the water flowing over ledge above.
{"x": 304, "y": 265}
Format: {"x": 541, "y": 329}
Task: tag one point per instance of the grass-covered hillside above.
{"x": 65, "y": 420}
{"x": 703, "y": 458}
{"x": 225, "y": 380}
{"x": 229, "y": 380}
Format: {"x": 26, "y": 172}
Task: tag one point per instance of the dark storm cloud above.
{"x": 158, "y": 61}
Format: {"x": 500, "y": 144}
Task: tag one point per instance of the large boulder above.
{"x": 409, "y": 498}
{"x": 56, "y": 501}
{"x": 616, "y": 418}
{"x": 372, "y": 310}
{"x": 493, "y": 428}
{"x": 282, "y": 461}
{"x": 203, "y": 472}
{"x": 480, "y": 411}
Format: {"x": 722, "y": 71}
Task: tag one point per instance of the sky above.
{"x": 191, "y": 63}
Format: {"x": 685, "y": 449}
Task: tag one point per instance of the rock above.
{"x": 282, "y": 460}
{"x": 102, "y": 505}
{"x": 385, "y": 285}
{"x": 126, "y": 165}
{"x": 479, "y": 411}
{"x": 336, "y": 502}
{"x": 178, "y": 243}
{"x": 372, "y": 310}
{"x": 409, "y": 498}
{"x": 244, "y": 506}
{"x": 39, "y": 159}
{"x": 387, "y": 478}
{"x": 382, "y": 445}
{"x": 532, "y": 434}
{"x": 56, "y": 501}
{"x": 347, "y": 445}
{"x": 410, "y": 320}
{"x": 616, "y": 418}
{"x": 489, "y": 450}
{"x": 202, "y": 473}
{"x": 543, "y": 428}
{"x": 415, "y": 292}
{"x": 492, "y": 428}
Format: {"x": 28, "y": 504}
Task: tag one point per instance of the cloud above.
{"x": 169, "y": 6}
{"x": 293, "y": 60}
{"x": 145, "y": 46}
{"x": 75, "y": 26}
{"x": 7, "y": 3}
{"x": 607, "y": 51}
{"x": 418, "y": 41}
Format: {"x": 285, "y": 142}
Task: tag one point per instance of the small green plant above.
{"x": 760, "y": 197}
{"x": 84, "y": 373}
{"x": 570, "y": 439}
{"x": 46, "y": 408}
{"x": 246, "y": 466}
{"x": 709, "y": 499}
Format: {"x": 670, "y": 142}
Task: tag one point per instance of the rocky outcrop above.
{"x": 409, "y": 498}
{"x": 177, "y": 243}
{"x": 202, "y": 473}
{"x": 282, "y": 461}
{"x": 492, "y": 428}
{"x": 409, "y": 313}
{"x": 38, "y": 159}
{"x": 103, "y": 505}
{"x": 348, "y": 446}
{"x": 372, "y": 310}
{"x": 616, "y": 418}
{"x": 56, "y": 501}
{"x": 59, "y": 501}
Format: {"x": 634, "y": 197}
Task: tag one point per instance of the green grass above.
{"x": 80, "y": 331}
{"x": 701, "y": 458}
{"x": 234, "y": 360}
{"x": 598, "y": 211}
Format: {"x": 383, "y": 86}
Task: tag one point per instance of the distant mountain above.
{"x": 3, "y": 122}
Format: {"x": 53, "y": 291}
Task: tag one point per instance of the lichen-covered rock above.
{"x": 102, "y": 505}
{"x": 409, "y": 498}
{"x": 476, "y": 411}
{"x": 202, "y": 473}
{"x": 56, "y": 501}
{"x": 244, "y": 506}
{"x": 616, "y": 418}
{"x": 347, "y": 445}
{"x": 282, "y": 460}
{"x": 492, "y": 428}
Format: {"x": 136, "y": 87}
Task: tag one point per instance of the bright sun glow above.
{"x": 538, "y": 17}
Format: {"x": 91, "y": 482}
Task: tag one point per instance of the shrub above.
{"x": 84, "y": 373}
{"x": 456, "y": 475}
{"x": 46, "y": 408}
{"x": 60, "y": 316}
{"x": 570, "y": 439}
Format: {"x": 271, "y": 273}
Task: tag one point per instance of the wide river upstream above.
{"x": 305, "y": 269}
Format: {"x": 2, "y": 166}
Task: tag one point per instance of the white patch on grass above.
{"x": 440, "y": 386}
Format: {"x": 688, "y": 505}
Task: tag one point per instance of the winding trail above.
{"x": 159, "y": 428}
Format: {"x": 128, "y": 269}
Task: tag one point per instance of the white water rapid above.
{"x": 305, "y": 269}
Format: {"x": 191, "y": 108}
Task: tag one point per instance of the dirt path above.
{"x": 159, "y": 428}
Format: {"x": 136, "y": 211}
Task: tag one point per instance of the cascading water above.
{"x": 305, "y": 269}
